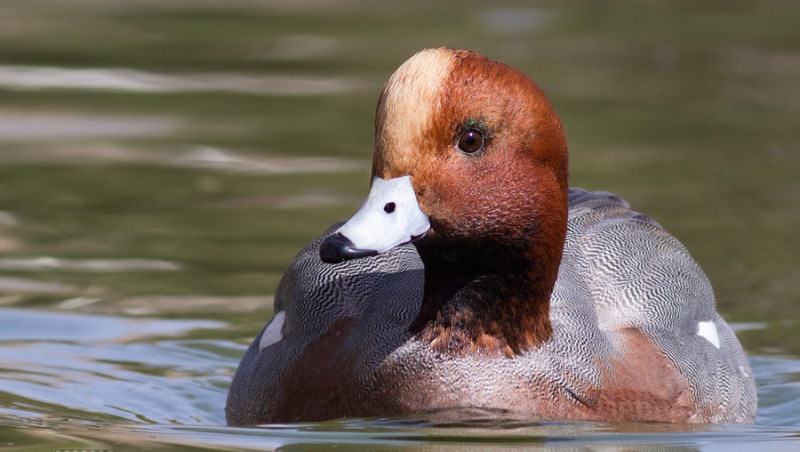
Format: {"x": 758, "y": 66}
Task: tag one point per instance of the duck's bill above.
{"x": 390, "y": 217}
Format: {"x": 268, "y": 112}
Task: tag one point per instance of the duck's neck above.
{"x": 486, "y": 299}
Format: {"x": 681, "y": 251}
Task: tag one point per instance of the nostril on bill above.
{"x": 389, "y": 207}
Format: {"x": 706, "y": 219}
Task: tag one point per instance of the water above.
{"x": 120, "y": 382}
{"x": 161, "y": 163}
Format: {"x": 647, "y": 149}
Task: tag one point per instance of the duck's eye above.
{"x": 470, "y": 142}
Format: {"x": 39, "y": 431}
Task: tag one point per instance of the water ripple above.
{"x": 33, "y": 78}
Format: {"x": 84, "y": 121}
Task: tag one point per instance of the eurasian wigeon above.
{"x": 474, "y": 277}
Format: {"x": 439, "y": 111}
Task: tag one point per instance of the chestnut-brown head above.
{"x": 484, "y": 148}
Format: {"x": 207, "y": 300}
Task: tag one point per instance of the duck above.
{"x": 474, "y": 278}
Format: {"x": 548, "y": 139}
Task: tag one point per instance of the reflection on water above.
{"x": 47, "y": 263}
{"x": 35, "y": 78}
{"x": 168, "y": 159}
{"x": 779, "y": 390}
{"x": 113, "y": 367}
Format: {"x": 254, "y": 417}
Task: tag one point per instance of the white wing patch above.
{"x": 272, "y": 333}
{"x": 708, "y": 331}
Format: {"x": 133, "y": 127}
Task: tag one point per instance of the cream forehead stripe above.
{"x": 410, "y": 98}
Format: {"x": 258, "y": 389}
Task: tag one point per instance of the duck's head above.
{"x": 468, "y": 153}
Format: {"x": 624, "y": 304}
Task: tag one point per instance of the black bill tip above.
{"x": 338, "y": 248}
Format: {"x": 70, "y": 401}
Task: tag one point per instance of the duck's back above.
{"x": 641, "y": 281}
{"x": 630, "y": 305}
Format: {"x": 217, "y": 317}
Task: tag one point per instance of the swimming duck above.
{"x": 473, "y": 277}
